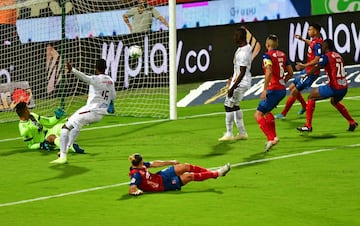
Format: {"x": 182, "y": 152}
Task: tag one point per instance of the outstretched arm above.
{"x": 162, "y": 20}
{"x": 77, "y": 73}
{"x": 160, "y": 163}
{"x": 127, "y": 22}
{"x": 307, "y": 41}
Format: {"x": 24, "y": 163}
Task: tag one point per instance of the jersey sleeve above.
{"x": 82, "y": 76}
{"x": 155, "y": 13}
{"x": 25, "y": 133}
{"x": 135, "y": 179}
{"x": 129, "y": 13}
{"x": 317, "y": 49}
{"x": 113, "y": 92}
{"x": 323, "y": 61}
{"x": 267, "y": 60}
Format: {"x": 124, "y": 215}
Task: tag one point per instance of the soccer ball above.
{"x": 135, "y": 51}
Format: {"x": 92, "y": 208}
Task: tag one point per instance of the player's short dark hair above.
{"x": 330, "y": 44}
{"x": 135, "y": 159}
{"x": 241, "y": 32}
{"x": 316, "y": 26}
{"x": 20, "y": 108}
{"x": 101, "y": 65}
{"x": 273, "y": 37}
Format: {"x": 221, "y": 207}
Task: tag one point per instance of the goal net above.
{"x": 39, "y": 36}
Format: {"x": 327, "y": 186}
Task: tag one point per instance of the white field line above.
{"x": 127, "y": 183}
{"x": 180, "y": 118}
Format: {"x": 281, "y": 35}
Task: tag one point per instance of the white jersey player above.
{"x": 239, "y": 84}
{"x": 101, "y": 94}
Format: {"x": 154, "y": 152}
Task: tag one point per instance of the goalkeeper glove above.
{"x": 45, "y": 146}
{"x": 59, "y": 113}
{"x": 111, "y": 107}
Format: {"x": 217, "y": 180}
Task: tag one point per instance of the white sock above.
{"x": 239, "y": 121}
{"x": 74, "y": 133}
{"x": 229, "y": 119}
{"x": 64, "y": 137}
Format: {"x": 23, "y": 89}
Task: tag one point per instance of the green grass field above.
{"x": 305, "y": 180}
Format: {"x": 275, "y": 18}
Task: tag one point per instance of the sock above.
{"x": 239, "y": 121}
{"x": 64, "y": 137}
{"x": 344, "y": 112}
{"x": 205, "y": 175}
{"x": 197, "y": 169}
{"x": 229, "y": 119}
{"x": 270, "y": 121}
{"x": 265, "y": 128}
{"x": 290, "y": 101}
{"x": 310, "y": 108}
{"x": 300, "y": 98}
{"x": 72, "y": 137}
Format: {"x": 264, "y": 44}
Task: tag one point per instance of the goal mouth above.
{"x": 41, "y": 36}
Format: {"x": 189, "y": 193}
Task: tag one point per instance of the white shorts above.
{"x": 236, "y": 98}
{"x": 83, "y": 116}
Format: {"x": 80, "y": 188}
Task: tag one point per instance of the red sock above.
{"x": 265, "y": 128}
{"x": 270, "y": 120}
{"x": 342, "y": 109}
{"x": 290, "y": 101}
{"x": 310, "y": 108}
{"x": 205, "y": 175}
{"x": 300, "y": 98}
{"x": 197, "y": 169}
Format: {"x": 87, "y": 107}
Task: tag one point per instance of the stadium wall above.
{"x": 207, "y": 53}
{"x": 203, "y": 54}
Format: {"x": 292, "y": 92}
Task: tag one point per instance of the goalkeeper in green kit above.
{"x": 40, "y": 132}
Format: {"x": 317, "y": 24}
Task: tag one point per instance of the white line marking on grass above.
{"x": 294, "y": 155}
{"x": 127, "y": 183}
{"x": 63, "y": 194}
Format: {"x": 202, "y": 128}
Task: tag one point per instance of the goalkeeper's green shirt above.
{"x": 34, "y": 130}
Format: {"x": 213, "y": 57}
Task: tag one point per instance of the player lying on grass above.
{"x": 171, "y": 178}
{"x": 41, "y": 132}
{"x": 335, "y": 89}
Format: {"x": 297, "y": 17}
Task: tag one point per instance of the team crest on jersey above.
{"x": 173, "y": 182}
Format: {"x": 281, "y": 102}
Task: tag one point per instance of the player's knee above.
{"x": 184, "y": 167}
{"x": 333, "y": 102}
{"x": 186, "y": 178}
{"x": 258, "y": 114}
{"x": 181, "y": 168}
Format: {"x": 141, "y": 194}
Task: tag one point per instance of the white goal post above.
{"x": 38, "y": 36}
